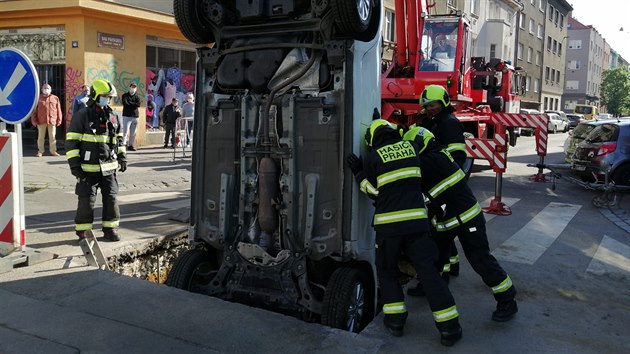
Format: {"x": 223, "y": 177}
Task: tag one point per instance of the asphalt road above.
{"x": 569, "y": 261}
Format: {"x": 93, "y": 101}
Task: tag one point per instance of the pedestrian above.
{"x": 455, "y": 212}
{"x": 390, "y": 174}
{"x": 80, "y": 101}
{"x": 188, "y": 112}
{"x": 47, "y": 117}
{"x": 448, "y": 132}
{"x": 131, "y": 103}
{"x": 95, "y": 151}
{"x": 171, "y": 113}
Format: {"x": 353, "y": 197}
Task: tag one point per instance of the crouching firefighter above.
{"x": 390, "y": 174}
{"x": 455, "y": 212}
{"x": 95, "y": 151}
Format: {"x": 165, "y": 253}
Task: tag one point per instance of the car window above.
{"x": 582, "y": 130}
{"x": 603, "y": 133}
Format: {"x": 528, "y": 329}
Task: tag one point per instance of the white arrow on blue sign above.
{"x": 19, "y": 83}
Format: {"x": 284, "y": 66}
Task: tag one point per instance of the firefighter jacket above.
{"x": 94, "y": 141}
{"x": 450, "y": 200}
{"x": 449, "y": 132}
{"x": 391, "y": 176}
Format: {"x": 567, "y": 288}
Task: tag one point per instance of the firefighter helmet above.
{"x": 434, "y": 93}
{"x": 376, "y": 124}
{"x": 102, "y": 87}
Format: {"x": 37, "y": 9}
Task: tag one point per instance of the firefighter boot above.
{"x": 450, "y": 332}
{"x": 505, "y": 311}
{"x": 111, "y": 234}
{"x": 395, "y": 323}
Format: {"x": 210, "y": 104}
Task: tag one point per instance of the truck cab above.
{"x": 285, "y": 89}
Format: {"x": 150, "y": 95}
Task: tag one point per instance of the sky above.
{"x": 607, "y": 16}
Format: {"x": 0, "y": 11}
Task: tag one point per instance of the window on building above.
{"x": 530, "y": 54}
{"x": 541, "y": 5}
{"x": 540, "y": 31}
{"x": 572, "y": 85}
{"x": 574, "y": 64}
{"x": 559, "y": 48}
{"x": 548, "y": 43}
{"x": 521, "y": 21}
{"x": 546, "y": 104}
{"x": 533, "y": 2}
{"x": 561, "y": 20}
{"x": 558, "y": 76}
{"x": 538, "y": 57}
{"x": 532, "y": 26}
{"x": 493, "y": 50}
{"x": 528, "y": 83}
{"x": 547, "y": 73}
{"x": 550, "y": 13}
{"x": 555, "y": 46}
{"x": 181, "y": 61}
{"x": 474, "y": 7}
{"x": 536, "y": 85}
{"x": 390, "y": 26}
{"x": 555, "y": 17}
{"x": 575, "y": 44}
{"x": 519, "y": 53}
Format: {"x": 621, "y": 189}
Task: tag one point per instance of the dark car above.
{"x": 574, "y": 119}
{"x": 606, "y": 147}
{"x": 577, "y": 135}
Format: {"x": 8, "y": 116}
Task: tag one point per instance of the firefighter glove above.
{"x": 354, "y": 162}
{"x": 77, "y": 172}
{"x": 123, "y": 166}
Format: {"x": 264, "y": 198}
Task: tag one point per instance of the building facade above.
{"x": 74, "y": 42}
{"x": 585, "y": 56}
{"x": 530, "y": 48}
{"x": 554, "y": 54}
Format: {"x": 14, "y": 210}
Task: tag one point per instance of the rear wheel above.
{"x": 190, "y": 18}
{"x": 345, "y": 301}
{"x": 621, "y": 177}
{"x": 192, "y": 270}
{"x": 353, "y": 16}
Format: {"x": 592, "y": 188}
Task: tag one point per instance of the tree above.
{"x": 615, "y": 90}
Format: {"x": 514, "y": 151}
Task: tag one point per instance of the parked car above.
{"x": 606, "y": 147}
{"x": 574, "y": 119}
{"x": 557, "y": 123}
{"x": 526, "y": 131}
{"x": 604, "y": 116}
{"x": 577, "y": 135}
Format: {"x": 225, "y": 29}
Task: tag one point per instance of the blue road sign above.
{"x": 19, "y": 83}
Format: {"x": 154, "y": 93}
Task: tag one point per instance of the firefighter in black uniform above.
{"x": 449, "y": 133}
{"x": 454, "y": 211}
{"x": 95, "y": 151}
{"x": 390, "y": 174}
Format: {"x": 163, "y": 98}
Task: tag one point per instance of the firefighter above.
{"x": 455, "y": 212}
{"x": 449, "y": 133}
{"x": 95, "y": 151}
{"x": 391, "y": 176}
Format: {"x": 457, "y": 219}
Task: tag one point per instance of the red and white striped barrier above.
{"x": 11, "y": 223}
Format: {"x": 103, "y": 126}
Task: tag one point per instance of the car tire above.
{"x": 189, "y": 16}
{"x": 345, "y": 300}
{"x": 353, "y": 17}
{"x": 554, "y": 130}
{"x": 621, "y": 176}
{"x": 192, "y": 270}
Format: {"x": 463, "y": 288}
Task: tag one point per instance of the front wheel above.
{"x": 192, "y": 271}
{"x": 190, "y": 18}
{"x": 345, "y": 301}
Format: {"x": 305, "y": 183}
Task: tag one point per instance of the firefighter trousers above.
{"x": 422, "y": 253}
{"x": 474, "y": 241}
{"x": 86, "y": 189}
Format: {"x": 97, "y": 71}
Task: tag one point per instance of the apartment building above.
{"x": 554, "y": 53}
{"x": 585, "y": 63}
{"x": 530, "y": 47}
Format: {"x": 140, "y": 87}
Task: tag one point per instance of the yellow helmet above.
{"x": 102, "y": 87}
{"x": 376, "y": 124}
{"x": 434, "y": 93}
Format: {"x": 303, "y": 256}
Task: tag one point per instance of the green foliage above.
{"x": 615, "y": 91}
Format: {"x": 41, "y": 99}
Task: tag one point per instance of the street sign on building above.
{"x": 19, "y": 86}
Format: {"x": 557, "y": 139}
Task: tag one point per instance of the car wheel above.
{"x": 190, "y": 19}
{"x": 554, "y": 130}
{"x": 345, "y": 300}
{"x": 622, "y": 176}
{"x": 352, "y": 16}
{"x": 192, "y": 271}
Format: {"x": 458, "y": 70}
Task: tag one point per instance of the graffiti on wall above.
{"x": 120, "y": 79}
{"x": 73, "y": 82}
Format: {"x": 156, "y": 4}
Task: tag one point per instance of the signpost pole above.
{"x": 20, "y": 165}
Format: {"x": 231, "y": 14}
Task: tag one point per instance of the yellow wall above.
{"x": 82, "y": 19}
